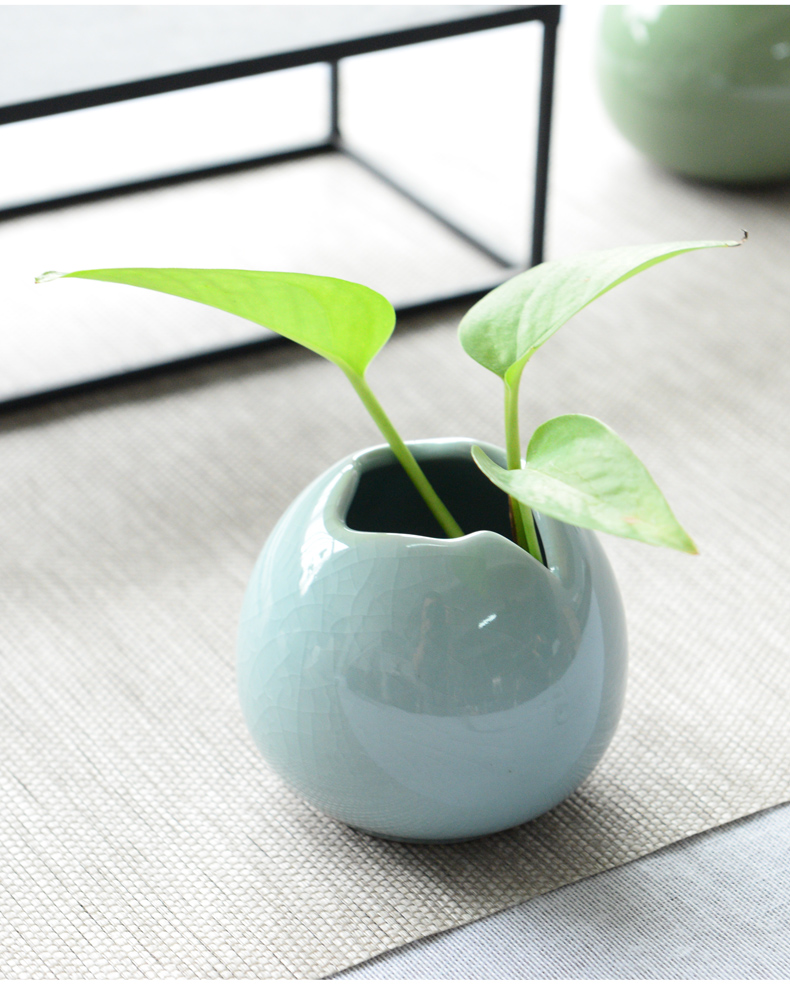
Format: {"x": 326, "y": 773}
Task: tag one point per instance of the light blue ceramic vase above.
{"x": 422, "y": 688}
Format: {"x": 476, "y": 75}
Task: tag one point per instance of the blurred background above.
{"x": 453, "y": 120}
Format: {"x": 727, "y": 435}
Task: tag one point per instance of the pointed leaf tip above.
{"x": 580, "y": 472}
{"x": 49, "y": 276}
{"x": 503, "y": 329}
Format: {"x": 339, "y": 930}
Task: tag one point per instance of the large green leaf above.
{"x": 345, "y": 322}
{"x": 579, "y": 471}
{"x": 505, "y": 327}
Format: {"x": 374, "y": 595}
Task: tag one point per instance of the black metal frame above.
{"x": 332, "y": 54}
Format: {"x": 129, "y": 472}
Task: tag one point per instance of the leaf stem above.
{"x": 523, "y": 522}
{"x": 405, "y": 456}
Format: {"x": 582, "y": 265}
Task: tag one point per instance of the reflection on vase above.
{"x": 421, "y": 687}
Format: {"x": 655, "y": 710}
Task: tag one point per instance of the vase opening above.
{"x": 386, "y": 500}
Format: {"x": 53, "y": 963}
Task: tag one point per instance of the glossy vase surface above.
{"x": 423, "y": 688}
{"x": 702, "y": 90}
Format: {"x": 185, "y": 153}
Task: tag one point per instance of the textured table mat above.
{"x": 711, "y": 907}
{"x": 142, "y": 835}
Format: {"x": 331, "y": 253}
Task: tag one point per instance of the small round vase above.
{"x": 422, "y": 688}
{"x": 702, "y": 90}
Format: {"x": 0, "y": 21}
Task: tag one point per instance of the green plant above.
{"x": 576, "y": 469}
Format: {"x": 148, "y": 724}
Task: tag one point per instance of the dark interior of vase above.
{"x": 386, "y": 499}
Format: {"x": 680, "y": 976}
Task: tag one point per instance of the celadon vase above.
{"x": 421, "y": 688}
{"x": 702, "y": 89}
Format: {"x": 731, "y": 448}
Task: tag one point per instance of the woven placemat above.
{"x": 141, "y": 834}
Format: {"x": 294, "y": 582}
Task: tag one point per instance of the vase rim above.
{"x": 350, "y": 470}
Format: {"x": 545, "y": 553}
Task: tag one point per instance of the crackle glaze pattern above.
{"x": 424, "y": 688}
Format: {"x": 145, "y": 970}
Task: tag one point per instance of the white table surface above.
{"x": 716, "y": 906}
{"x": 43, "y": 48}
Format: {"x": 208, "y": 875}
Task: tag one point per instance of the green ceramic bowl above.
{"x": 702, "y": 90}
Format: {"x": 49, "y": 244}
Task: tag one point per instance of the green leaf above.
{"x": 504, "y": 328}
{"x": 579, "y": 471}
{"x": 345, "y": 322}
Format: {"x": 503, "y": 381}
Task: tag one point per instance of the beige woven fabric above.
{"x": 141, "y": 834}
